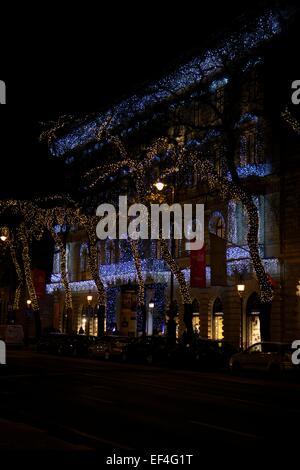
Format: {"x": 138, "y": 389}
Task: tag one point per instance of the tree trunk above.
{"x": 29, "y": 280}
{"x": 64, "y": 278}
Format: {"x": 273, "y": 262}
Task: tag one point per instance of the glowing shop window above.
{"x": 196, "y": 323}
{"x": 218, "y": 326}
{"x": 253, "y": 328}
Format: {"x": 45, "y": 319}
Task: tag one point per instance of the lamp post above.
{"x": 27, "y": 320}
{"x": 151, "y": 306}
{"x": 89, "y": 299}
{"x": 160, "y": 186}
{"x": 241, "y": 290}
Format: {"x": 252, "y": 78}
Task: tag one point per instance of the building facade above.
{"x": 266, "y": 166}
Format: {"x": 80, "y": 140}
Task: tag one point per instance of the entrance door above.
{"x": 128, "y": 320}
{"x": 253, "y": 320}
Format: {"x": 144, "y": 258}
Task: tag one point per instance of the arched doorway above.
{"x": 218, "y": 319}
{"x": 196, "y": 316}
{"x": 252, "y": 320}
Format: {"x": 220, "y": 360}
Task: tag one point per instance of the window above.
{"x": 256, "y": 348}
{"x": 217, "y": 224}
{"x": 220, "y": 99}
{"x": 241, "y": 224}
{"x": 248, "y": 147}
{"x": 56, "y": 261}
{"x": 110, "y": 254}
{"x": 83, "y": 258}
{"x": 100, "y": 254}
{"x": 218, "y": 322}
{"x": 216, "y": 158}
{"x": 178, "y": 248}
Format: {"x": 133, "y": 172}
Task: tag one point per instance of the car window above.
{"x": 254, "y": 349}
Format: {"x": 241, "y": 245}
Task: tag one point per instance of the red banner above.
{"x": 39, "y": 281}
{"x": 198, "y": 271}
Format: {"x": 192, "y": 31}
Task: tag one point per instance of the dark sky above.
{"x": 82, "y": 64}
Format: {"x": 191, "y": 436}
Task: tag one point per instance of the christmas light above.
{"x": 235, "y": 47}
{"x": 292, "y": 122}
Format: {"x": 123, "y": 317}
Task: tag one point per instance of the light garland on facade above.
{"x": 93, "y": 261}
{"x": 235, "y": 47}
{"x": 292, "y": 122}
{"x": 229, "y": 190}
{"x": 16, "y": 303}
{"x": 63, "y": 268}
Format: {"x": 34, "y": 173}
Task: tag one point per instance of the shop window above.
{"x": 253, "y": 319}
{"x": 218, "y": 319}
{"x": 196, "y": 316}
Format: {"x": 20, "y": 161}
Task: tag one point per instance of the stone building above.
{"x": 267, "y": 166}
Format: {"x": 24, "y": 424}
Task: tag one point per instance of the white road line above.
{"x": 231, "y": 431}
{"x": 96, "y": 438}
{"x": 102, "y": 400}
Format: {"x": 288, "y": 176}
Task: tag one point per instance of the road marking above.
{"x": 231, "y": 431}
{"x": 96, "y": 438}
{"x": 89, "y": 397}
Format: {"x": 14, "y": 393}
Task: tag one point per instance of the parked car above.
{"x": 147, "y": 349}
{"x": 203, "y": 353}
{"x": 109, "y": 347}
{"x": 77, "y": 345}
{"x": 272, "y": 357}
{"x": 51, "y": 343}
{"x": 12, "y": 335}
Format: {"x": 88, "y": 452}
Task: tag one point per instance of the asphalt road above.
{"x": 52, "y": 407}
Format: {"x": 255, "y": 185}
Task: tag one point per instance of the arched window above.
{"x": 253, "y": 320}
{"x": 83, "y": 257}
{"x": 216, "y": 224}
{"x": 218, "y": 322}
{"x": 196, "y": 316}
{"x": 56, "y": 261}
{"x": 110, "y": 252}
{"x": 101, "y": 252}
{"x": 68, "y": 259}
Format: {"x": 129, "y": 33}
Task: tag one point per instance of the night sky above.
{"x": 86, "y": 64}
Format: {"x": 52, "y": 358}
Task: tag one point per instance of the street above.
{"x": 83, "y": 407}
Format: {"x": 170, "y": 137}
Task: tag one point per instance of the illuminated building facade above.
{"x": 266, "y": 169}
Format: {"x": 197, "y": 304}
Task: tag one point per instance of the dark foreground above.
{"x": 54, "y": 408}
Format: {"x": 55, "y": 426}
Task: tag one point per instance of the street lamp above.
{"x": 159, "y": 185}
{"x": 4, "y": 234}
{"x": 150, "y": 320}
{"x": 89, "y": 299}
{"x": 241, "y": 290}
{"x": 28, "y": 302}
